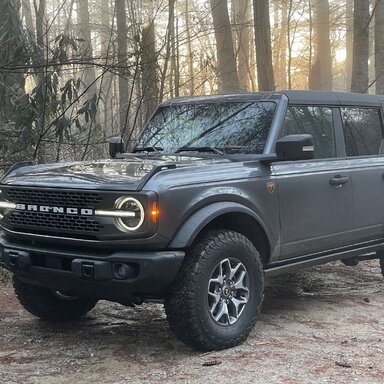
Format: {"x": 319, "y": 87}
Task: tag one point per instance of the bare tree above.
{"x": 379, "y": 47}
{"x": 84, "y": 29}
{"x": 11, "y": 84}
{"x": 359, "y": 81}
{"x": 169, "y": 41}
{"x": 348, "y": 42}
{"x": 190, "y": 52}
{"x": 265, "y": 75}
{"x": 243, "y": 22}
{"x": 227, "y": 78}
{"x": 280, "y": 44}
{"x": 122, "y": 61}
{"x": 321, "y": 71}
{"x": 150, "y": 80}
{"x": 27, "y": 15}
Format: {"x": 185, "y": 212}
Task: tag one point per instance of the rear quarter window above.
{"x": 363, "y": 130}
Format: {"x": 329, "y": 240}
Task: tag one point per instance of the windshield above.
{"x": 230, "y": 127}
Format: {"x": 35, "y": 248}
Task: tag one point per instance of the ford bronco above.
{"x": 217, "y": 193}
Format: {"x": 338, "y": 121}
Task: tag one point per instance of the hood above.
{"x": 129, "y": 174}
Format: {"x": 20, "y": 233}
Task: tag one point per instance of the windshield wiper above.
{"x": 200, "y": 149}
{"x": 148, "y": 149}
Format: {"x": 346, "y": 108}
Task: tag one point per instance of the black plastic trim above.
{"x": 156, "y": 270}
{"x": 292, "y": 265}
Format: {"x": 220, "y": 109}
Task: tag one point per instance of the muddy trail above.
{"x": 322, "y": 325}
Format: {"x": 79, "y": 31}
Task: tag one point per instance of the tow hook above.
{"x": 17, "y": 259}
{"x": 92, "y": 270}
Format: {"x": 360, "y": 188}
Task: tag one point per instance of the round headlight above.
{"x": 133, "y": 221}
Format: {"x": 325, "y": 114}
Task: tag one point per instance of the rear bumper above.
{"x": 116, "y": 276}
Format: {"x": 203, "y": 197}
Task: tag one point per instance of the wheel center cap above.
{"x": 226, "y": 291}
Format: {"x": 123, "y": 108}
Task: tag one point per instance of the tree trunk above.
{"x": 172, "y": 37}
{"x": 168, "y": 48}
{"x": 122, "y": 59}
{"x": 11, "y": 83}
{"x": 290, "y": 42}
{"x": 280, "y": 44}
{"x": 177, "y": 60}
{"x": 243, "y": 22}
{"x": 227, "y": 77}
{"x": 107, "y": 78}
{"x": 150, "y": 81}
{"x": 359, "y": 81}
{"x": 190, "y": 52}
{"x": 42, "y": 75}
{"x": 265, "y": 76}
{"x": 348, "y": 43}
{"x": 41, "y": 24}
{"x": 379, "y": 48}
{"x": 27, "y": 14}
{"x": 276, "y": 37}
{"x": 84, "y": 30}
{"x": 321, "y": 72}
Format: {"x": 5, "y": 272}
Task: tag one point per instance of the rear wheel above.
{"x": 380, "y": 255}
{"x": 50, "y": 305}
{"x": 217, "y": 295}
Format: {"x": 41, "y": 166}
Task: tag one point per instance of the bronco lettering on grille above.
{"x": 49, "y": 209}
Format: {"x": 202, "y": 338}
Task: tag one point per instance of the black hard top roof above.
{"x": 333, "y": 98}
{"x": 294, "y": 97}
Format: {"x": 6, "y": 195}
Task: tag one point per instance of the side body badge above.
{"x": 271, "y": 186}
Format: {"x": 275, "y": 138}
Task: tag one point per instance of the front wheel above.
{"x": 50, "y": 305}
{"x": 218, "y": 292}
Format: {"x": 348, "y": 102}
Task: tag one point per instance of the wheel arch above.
{"x": 224, "y": 215}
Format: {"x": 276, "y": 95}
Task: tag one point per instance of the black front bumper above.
{"x": 116, "y": 276}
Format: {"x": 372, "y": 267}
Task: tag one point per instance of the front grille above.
{"x": 54, "y": 222}
{"x": 55, "y": 198}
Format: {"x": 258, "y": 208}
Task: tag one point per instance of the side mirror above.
{"x": 295, "y": 147}
{"x": 116, "y": 146}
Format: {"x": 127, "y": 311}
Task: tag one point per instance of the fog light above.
{"x": 124, "y": 271}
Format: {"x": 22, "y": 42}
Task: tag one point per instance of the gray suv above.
{"x": 218, "y": 192}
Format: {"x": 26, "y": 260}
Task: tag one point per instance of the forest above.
{"x": 74, "y": 73}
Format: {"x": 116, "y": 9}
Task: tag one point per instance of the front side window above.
{"x": 231, "y": 127}
{"x": 363, "y": 130}
{"x": 318, "y": 122}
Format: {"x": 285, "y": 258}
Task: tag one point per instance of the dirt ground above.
{"x": 322, "y": 325}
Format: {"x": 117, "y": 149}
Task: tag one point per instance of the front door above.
{"x": 315, "y": 206}
{"x": 315, "y": 195}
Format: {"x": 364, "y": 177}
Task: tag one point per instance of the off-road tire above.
{"x": 50, "y": 306}
{"x": 186, "y": 305}
{"x": 380, "y": 256}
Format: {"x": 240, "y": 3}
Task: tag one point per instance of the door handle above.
{"x": 339, "y": 180}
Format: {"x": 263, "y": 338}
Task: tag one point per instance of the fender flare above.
{"x": 196, "y": 222}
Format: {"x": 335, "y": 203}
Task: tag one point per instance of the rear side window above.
{"x": 318, "y": 122}
{"x": 363, "y": 131}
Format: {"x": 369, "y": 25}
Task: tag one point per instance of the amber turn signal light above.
{"x": 155, "y": 212}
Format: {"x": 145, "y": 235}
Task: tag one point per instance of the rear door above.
{"x": 363, "y": 131}
{"x": 315, "y": 195}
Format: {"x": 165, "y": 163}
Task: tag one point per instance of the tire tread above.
{"x": 180, "y": 305}
{"x": 43, "y": 303}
